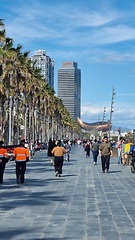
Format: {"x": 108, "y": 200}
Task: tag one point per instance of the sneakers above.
{"x": 103, "y": 171}
{"x": 56, "y": 173}
{"x": 94, "y": 163}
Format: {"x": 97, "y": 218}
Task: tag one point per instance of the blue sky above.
{"x": 98, "y": 35}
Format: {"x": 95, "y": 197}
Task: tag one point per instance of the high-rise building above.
{"x": 69, "y": 88}
{"x": 46, "y": 64}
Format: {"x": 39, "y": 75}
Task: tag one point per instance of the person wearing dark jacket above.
{"x": 87, "y": 148}
{"x": 51, "y": 145}
{"x": 3, "y": 160}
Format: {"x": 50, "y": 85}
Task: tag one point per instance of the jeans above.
{"x": 95, "y": 154}
{"x": 119, "y": 156}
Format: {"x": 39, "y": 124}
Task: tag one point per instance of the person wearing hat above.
{"x": 21, "y": 155}
{"x": 3, "y": 160}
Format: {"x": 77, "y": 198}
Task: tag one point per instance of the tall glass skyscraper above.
{"x": 69, "y": 88}
{"x": 46, "y": 64}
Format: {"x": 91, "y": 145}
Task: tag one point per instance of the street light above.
{"x": 35, "y": 125}
{"x": 112, "y": 110}
{"x": 104, "y": 112}
{"x": 25, "y": 122}
{"x": 119, "y": 133}
{"x": 10, "y": 120}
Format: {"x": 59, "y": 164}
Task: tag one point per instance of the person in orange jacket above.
{"x": 3, "y": 160}
{"x": 58, "y": 152}
{"x": 21, "y": 155}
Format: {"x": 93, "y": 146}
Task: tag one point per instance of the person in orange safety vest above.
{"x": 21, "y": 155}
{"x": 3, "y": 160}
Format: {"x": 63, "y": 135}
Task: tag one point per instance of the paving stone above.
{"x": 83, "y": 204}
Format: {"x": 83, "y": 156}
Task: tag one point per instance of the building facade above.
{"x": 46, "y": 64}
{"x": 69, "y": 88}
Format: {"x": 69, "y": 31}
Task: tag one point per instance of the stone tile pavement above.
{"x": 84, "y": 204}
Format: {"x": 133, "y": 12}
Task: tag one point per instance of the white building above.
{"x": 46, "y": 64}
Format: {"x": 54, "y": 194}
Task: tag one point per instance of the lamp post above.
{"x": 35, "y": 123}
{"x": 103, "y": 118}
{"x": 111, "y": 111}
{"x": 52, "y": 128}
{"x": 10, "y": 120}
{"x": 25, "y": 122}
{"x": 119, "y": 133}
{"x": 104, "y": 114}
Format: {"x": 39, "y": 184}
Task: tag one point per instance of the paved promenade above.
{"x": 84, "y": 204}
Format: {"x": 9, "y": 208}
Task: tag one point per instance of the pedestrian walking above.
{"x": 87, "y": 148}
{"x": 21, "y": 156}
{"x": 95, "y": 151}
{"x": 105, "y": 149}
{"x": 58, "y": 152}
{"x": 68, "y": 150}
{"x": 119, "y": 146}
{"x": 51, "y": 145}
{"x": 123, "y": 154}
{"x": 3, "y": 160}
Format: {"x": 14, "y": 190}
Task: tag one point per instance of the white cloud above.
{"x": 114, "y": 34}
{"x": 98, "y": 55}
{"x": 123, "y": 116}
{"x": 59, "y": 24}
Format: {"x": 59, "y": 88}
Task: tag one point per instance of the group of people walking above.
{"x": 92, "y": 146}
{"x": 21, "y": 155}
{"x": 104, "y": 149}
{"x": 56, "y": 152}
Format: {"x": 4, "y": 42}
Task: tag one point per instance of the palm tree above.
{"x": 5, "y": 55}
{"x": 34, "y": 103}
